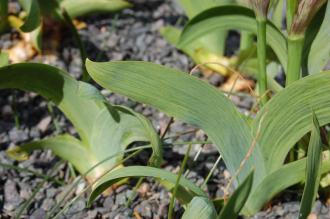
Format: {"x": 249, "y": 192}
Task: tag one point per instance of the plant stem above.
{"x": 176, "y": 186}
{"x": 246, "y": 40}
{"x": 210, "y": 173}
{"x": 295, "y": 47}
{"x": 134, "y": 192}
{"x": 261, "y": 50}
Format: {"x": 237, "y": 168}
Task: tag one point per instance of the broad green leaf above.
{"x": 103, "y": 129}
{"x": 138, "y": 171}
{"x": 237, "y": 200}
{"x": 207, "y": 48}
{"x": 33, "y": 18}
{"x": 228, "y": 18}
{"x": 64, "y": 146}
{"x": 192, "y": 8}
{"x": 314, "y": 159}
{"x": 187, "y": 99}
{"x": 319, "y": 54}
{"x": 202, "y": 50}
{"x": 277, "y": 13}
{"x": 213, "y": 43}
{"x": 4, "y": 59}
{"x": 284, "y": 177}
{"x": 58, "y": 87}
{"x": 200, "y": 208}
{"x": 88, "y": 91}
{"x": 285, "y": 118}
{"x": 77, "y": 8}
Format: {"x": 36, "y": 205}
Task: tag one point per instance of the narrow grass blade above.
{"x": 176, "y": 185}
{"x": 33, "y": 19}
{"x": 39, "y": 186}
{"x": 200, "y": 208}
{"x": 139, "y": 171}
{"x": 237, "y": 200}
{"x": 26, "y": 170}
{"x": 314, "y": 158}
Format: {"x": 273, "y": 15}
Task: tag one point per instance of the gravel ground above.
{"x": 129, "y": 35}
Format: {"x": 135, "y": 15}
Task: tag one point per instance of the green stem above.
{"x": 290, "y": 11}
{"x": 176, "y": 186}
{"x": 295, "y": 47}
{"x": 210, "y": 173}
{"x": 246, "y": 40}
{"x": 134, "y": 192}
{"x": 261, "y": 50}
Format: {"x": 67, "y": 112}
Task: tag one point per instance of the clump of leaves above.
{"x": 262, "y": 144}
{"x": 104, "y": 129}
{"x": 282, "y": 122}
{"x": 39, "y": 10}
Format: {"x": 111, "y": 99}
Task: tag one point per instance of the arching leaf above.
{"x": 138, "y": 171}
{"x": 200, "y": 208}
{"x": 228, "y": 18}
{"x": 187, "y": 99}
{"x": 33, "y": 18}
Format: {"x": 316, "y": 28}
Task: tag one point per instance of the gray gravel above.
{"x": 130, "y": 35}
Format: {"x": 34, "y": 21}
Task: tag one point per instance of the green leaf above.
{"x": 33, "y": 18}
{"x": 284, "y": 177}
{"x": 64, "y": 146}
{"x": 277, "y": 13}
{"x": 187, "y": 99}
{"x": 4, "y": 59}
{"x": 171, "y": 34}
{"x": 285, "y": 118}
{"x": 36, "y": 38}
{"x": 200, "y": 208}
{"x": 228, "y": 18}
{"x": 138, "y": 171}
{"x": 207, "y": 48}
{"x": 237, "y": 199}
{"x": 84, "y": 7}
{"x": 192, "y": 8}
{"x": 310, "y": 34}
{"x": 103, "y": 129}
{"x": 314, "y": 159}
{"x": 319, "y": 54}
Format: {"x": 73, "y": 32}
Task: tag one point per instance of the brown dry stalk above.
{"x": 304, "y": 14}
{"x": 260, "y": 7}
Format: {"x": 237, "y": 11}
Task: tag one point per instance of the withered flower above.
{"x": 304, "y": 14}
{"x": 260, "y": 7}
